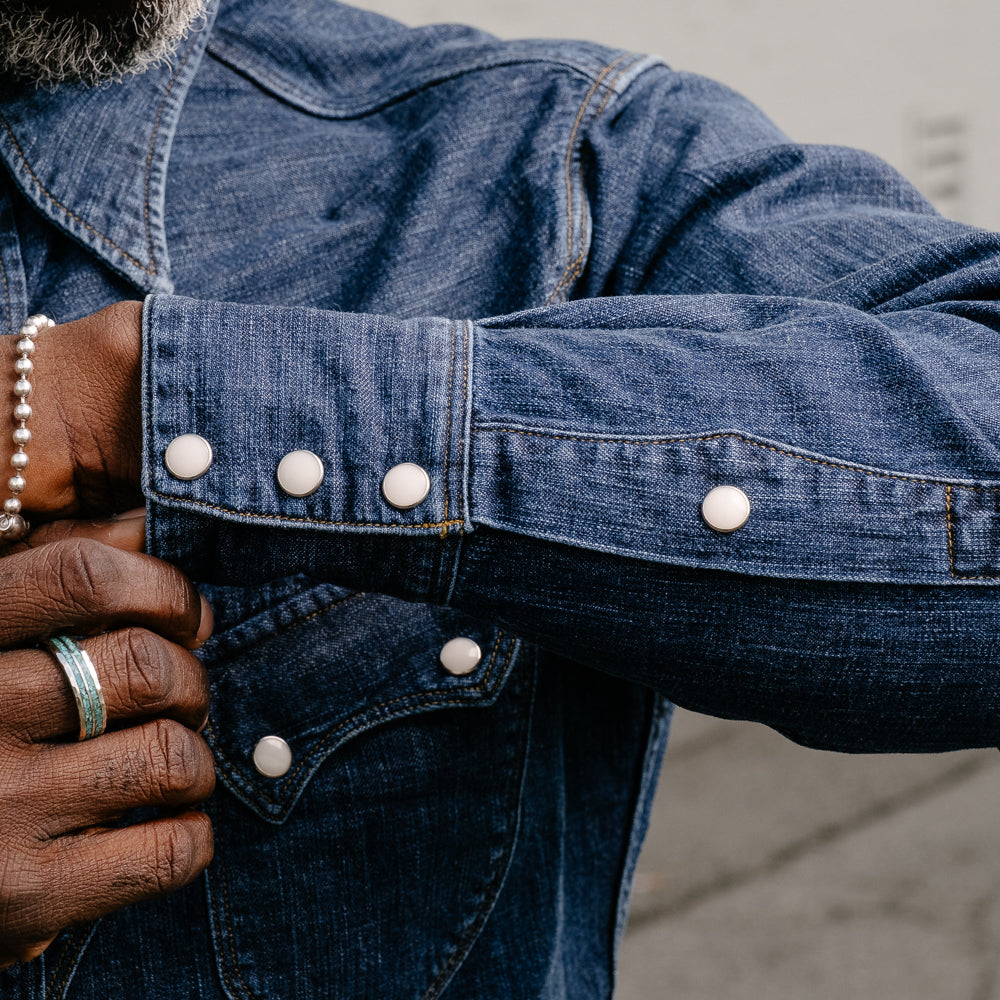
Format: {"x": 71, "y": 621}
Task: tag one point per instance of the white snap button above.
{"x": 272, "y": 757}
{"x": 460, "y": 656}
{"x": 406, "y": 485}
{"x": 188, "y": 456}
{"x": 726, "y": 508}
{"x": 300, "y": 473}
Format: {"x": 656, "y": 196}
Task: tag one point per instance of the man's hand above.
{"x": 62, "y": 859}
{"x": 84, "y": 455}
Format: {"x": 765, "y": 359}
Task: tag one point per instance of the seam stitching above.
{"x": 570, "y": 221}
{"x": 151, "y": 268}
{"x": 233, "y": 57}
{"x": 222, "y": 938}
{"x": 951, "y": 549}
{"x": 463, "y": 498}
{"x": 152, "y": 149}
{"x": 488, "y": 895}
{"x": 417, "y": 700}
{"x": 303, "y": 520}
{"x": 232, "y": 937}
{"x": 951, "y": 542}
{"x": 295, "y": 623}
{"x": 577, "y": 266}
{"x": 58, "y": 204}
{"x": 83, "y": 934}
{"x": 614, "y": 83}
{"x": 447, "y": 429}
{"x": 599, "y": 439}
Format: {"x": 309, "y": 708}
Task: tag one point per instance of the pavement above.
{"x": 774, "y": 871}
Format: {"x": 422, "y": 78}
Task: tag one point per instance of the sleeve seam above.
{"x": 733, "y": 435}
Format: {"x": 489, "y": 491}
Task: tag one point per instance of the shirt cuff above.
{"x": 364, "y": 394}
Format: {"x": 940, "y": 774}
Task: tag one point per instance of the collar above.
{"x": 93, "y": 160}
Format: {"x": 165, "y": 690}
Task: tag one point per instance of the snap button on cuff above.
{"x": 725, "y": 509}
{"x": 272, "y": 757}
{"x": 300, "y": 473}
{"x": 406, "y": 485}
{"x": 188, "y": 456}
{"x": 460, "y": 656}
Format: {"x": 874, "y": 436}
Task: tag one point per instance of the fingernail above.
{"x": 129, "y": 515}
{"x": 125, "y": 534}
{"x": 207, "y": 623}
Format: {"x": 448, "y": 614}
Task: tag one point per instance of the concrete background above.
{"x": 770, "y": 870}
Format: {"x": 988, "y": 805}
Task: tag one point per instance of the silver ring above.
{"x": 83, "y": 680}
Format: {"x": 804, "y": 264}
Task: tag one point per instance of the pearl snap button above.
{"x": 460, "y": 656}
{"x": 188, "y": 456}
{"x": 300, "y": 473}
{"x": 726, "y": 508}
{"x": 272, "y": 757}
{"x": 406, "y": 485}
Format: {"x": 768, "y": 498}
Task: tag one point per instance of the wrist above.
{"x": 85, "y": 422}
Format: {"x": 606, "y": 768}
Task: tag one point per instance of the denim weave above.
{"x": 580, "y": 289}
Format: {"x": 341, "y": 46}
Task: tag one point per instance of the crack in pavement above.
{"x": 821, "y": 837}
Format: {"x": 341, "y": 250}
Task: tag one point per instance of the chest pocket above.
{"x": 369, "y": 867}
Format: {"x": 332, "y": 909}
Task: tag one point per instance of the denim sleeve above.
{"x": 789, "y": 320}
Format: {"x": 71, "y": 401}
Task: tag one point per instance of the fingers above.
{"x": 82, "y": 586}
{"x": 58, "y": 868}
{"x": 142, "y": 675}
{"x": 23, "y": 951}
{"x": 160, "y": 763}
{"x": 95, "y": 872}
{"x": 127, "y": 532}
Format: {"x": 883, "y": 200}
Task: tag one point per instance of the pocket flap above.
{"x": 326, "y": 665}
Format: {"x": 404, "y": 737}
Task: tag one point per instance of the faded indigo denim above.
{"x": 323, "y": 207}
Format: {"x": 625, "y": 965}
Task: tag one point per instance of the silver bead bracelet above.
{"x": 13, "y": 526}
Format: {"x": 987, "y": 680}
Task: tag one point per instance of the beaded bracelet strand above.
{"x": 13, "y": 526}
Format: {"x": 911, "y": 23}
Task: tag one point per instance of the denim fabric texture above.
{"x": 581, "y": 290}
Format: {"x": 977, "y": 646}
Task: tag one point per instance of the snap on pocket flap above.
{"x": 332, "y": 666}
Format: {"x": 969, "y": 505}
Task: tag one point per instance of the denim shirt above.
{"x": 580, "y": 290}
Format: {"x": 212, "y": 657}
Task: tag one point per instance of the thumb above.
{"x": 126, "y": 531}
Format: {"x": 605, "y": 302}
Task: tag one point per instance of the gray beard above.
{"x": 48, "y": 42}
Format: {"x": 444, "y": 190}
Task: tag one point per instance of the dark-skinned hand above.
{"x": 63, "y": 859}
{"x": 86, "y": 431}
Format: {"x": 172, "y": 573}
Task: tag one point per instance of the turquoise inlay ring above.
{"x": 84, "y": 683}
